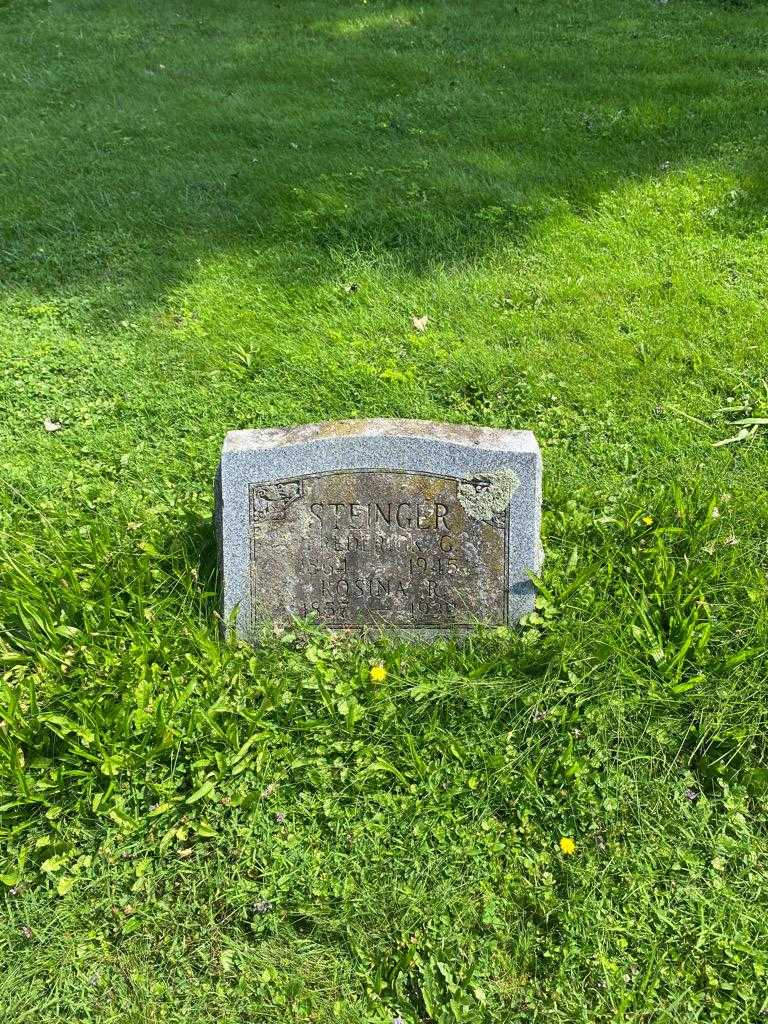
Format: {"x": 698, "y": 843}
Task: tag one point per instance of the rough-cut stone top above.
{"x": 452, "y": 433}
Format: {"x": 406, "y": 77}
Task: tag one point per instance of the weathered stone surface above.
{"x": 401, "y": 524}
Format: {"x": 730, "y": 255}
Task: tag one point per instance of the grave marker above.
{"x": 404, "y": 525}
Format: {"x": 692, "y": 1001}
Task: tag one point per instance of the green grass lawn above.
{"x": 223, "y": 214}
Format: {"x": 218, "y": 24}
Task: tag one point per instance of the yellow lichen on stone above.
{"x": 483, "y": 497}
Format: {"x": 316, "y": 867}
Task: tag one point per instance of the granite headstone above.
{"x": 403, "y": 525}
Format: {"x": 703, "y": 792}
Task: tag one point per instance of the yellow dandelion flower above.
{"x": 648, "y": 520}
{"x": 567, "y": 846}
{"x": 378, "y": 674}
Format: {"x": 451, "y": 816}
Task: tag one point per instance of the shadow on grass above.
{"x": 195, "y": 547}
{"x": 142, "y": 137}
